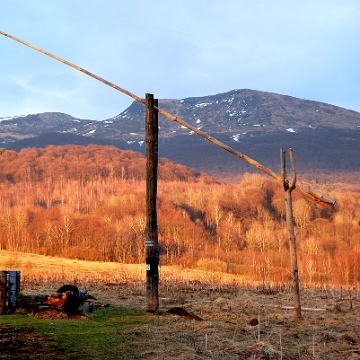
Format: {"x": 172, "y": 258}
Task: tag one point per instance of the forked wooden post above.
{"x": 152, "y": 246}
{"x": 289, "y": 187}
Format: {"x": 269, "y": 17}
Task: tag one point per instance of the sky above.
{"x": 308, "y": 49}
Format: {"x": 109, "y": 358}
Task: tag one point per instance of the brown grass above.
{"x": 242, "y": 319}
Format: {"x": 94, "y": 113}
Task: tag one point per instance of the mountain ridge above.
{"x": 325, "y": 138}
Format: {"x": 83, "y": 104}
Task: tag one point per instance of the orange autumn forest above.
{"x": 88, "y": 203}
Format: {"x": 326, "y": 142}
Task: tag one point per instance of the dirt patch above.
{"x": 26, "y": 343}
{"x": 182, "y": 312}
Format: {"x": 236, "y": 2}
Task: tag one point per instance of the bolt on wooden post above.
{"x": 289, "y": 187}
{"x": 152, "y": 246}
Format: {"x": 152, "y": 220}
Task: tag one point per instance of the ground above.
{"x": 26, "y": 344}
{"x": 241, "y": 319}
{"x": 231, "y": 322}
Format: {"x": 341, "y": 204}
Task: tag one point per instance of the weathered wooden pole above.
{"x": 152, "y": 246}
{"x": 289, "y": 187}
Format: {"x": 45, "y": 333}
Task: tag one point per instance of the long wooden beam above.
{"x": 311, "y": 194}
{"x": 75, "y": 67}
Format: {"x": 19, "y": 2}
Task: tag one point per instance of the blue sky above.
{"x": 175, "y": 49}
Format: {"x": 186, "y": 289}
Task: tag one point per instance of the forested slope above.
{"x": 89, "y": 203}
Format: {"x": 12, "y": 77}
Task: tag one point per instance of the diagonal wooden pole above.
{"x": 116, "y": 87}
{"x": 311, "y": 194}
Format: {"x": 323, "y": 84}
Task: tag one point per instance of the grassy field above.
{"x": 239, "y": 319}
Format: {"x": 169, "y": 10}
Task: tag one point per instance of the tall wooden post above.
{"x": 290, "y": 229}
{"x": 152, "y": 246}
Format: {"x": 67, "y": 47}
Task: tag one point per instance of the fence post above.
{"x": 152, "y": 246}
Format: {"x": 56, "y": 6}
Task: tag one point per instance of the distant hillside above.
{"x": 84, "y": 164}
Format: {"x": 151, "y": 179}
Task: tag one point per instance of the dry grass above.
{"x": 242, "y": 320}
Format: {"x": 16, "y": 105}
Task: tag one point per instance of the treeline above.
{"x": 89, "y": 203}
{"x": 84, "y": 164}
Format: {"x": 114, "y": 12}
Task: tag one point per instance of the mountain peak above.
{"x": 236, "y": 112}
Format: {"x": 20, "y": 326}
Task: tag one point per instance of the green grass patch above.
{"x": 112, "y": 333}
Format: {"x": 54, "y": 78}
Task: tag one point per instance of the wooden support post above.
{"x": 3, "y": 290}
{"x": 289, "y": 187}
{"x": 152, "y": 246}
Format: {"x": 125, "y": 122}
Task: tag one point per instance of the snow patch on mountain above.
{"x": 202, "y": 105}
{"x": 6, "y": 118}
{"x": 236, "y": 137}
